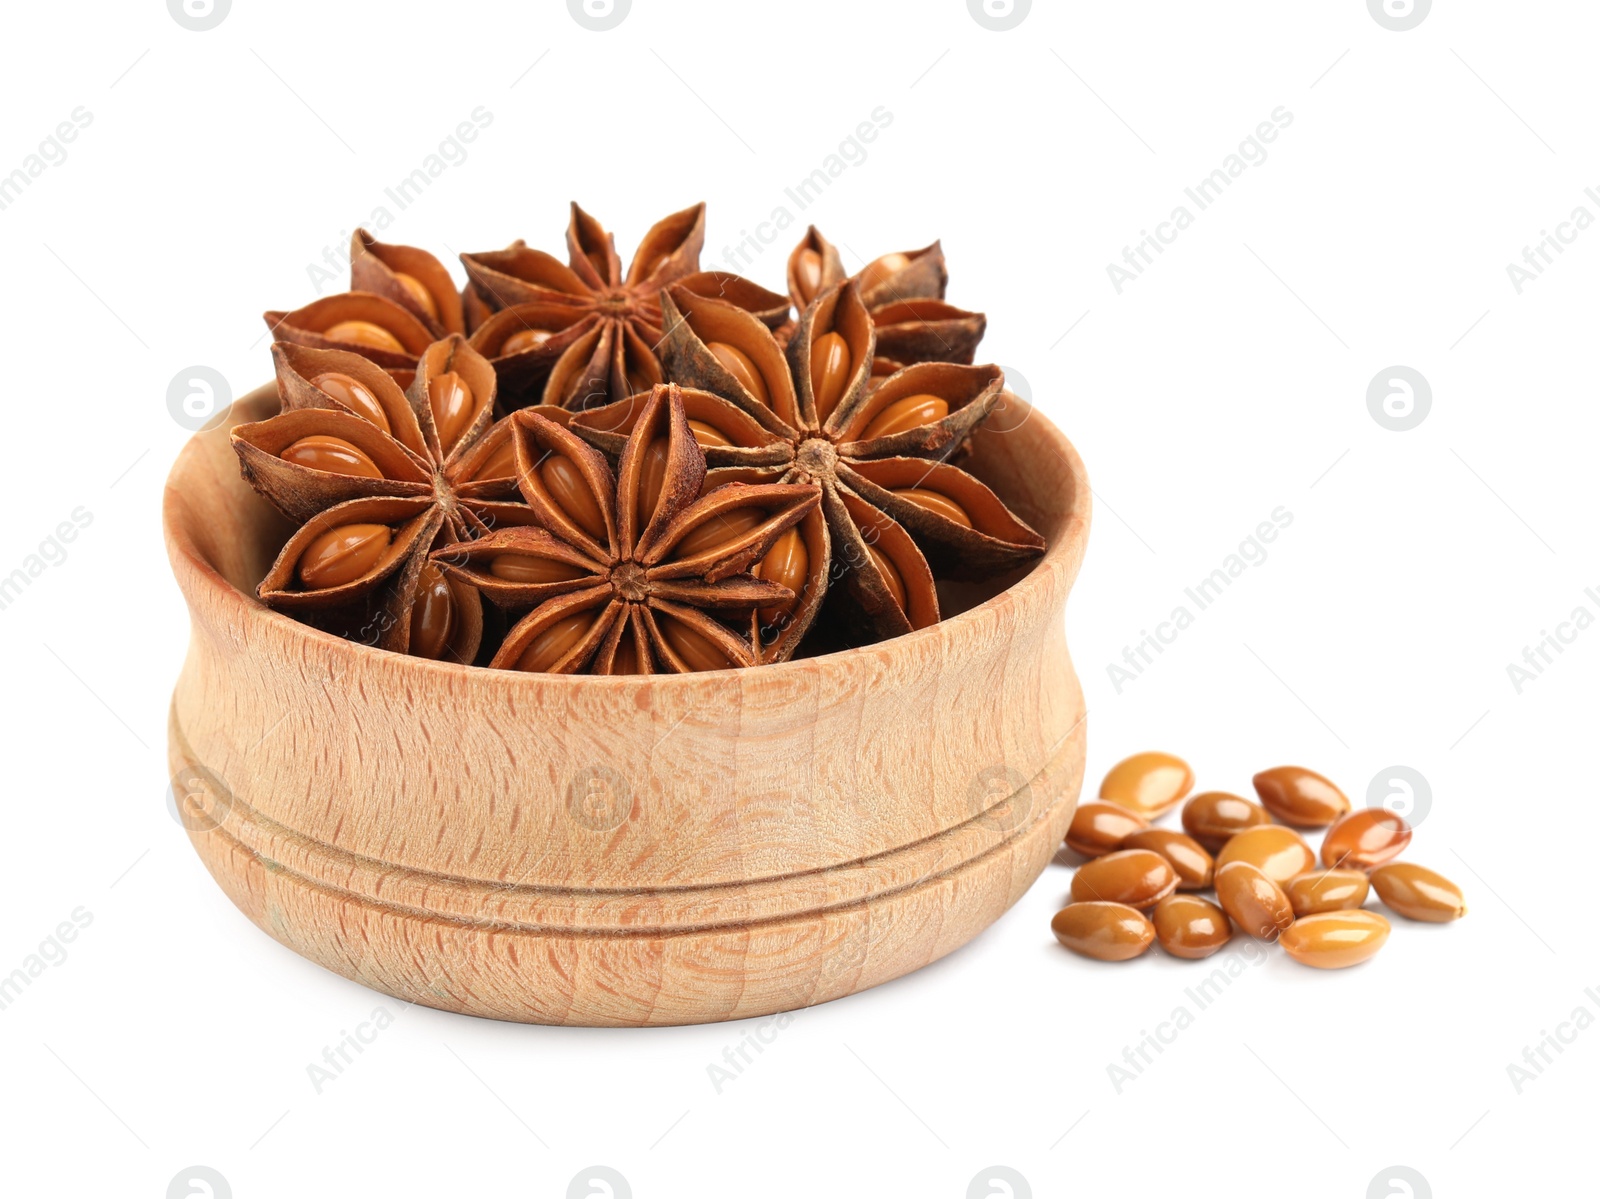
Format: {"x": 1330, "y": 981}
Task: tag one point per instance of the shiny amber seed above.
{"x": 652, "y": 478}
{"x": 502, "y": 464}
{"x": 364, "y": 333}
{"x": 342, "y": 554}
{"x": 331, "y": 454}
{"x": 1190, "y": 862}
{"x": 881, "y": 269}
{"x": 1139, "y": 878}
{"x": 1300, "y": 797}
{"x": 1365, "y": 839}
{"x": 570, "y": 491}
{"x": 555, "y": 642}
{"x": 524, "y": 340}
{"x": 1280, "y": 852}
{"x": 1326, "y": 891}
{"x": 912, "y": 412}
{"x": 739, "y": 364}
{"x": 1107, "y": 932}
{"x": 1252, "y": 900}
{"x": 452, "y": 403}
{"x": 1334, "y": 940}
{"x": 433, "y": 613}
{"x": 1148, "y": 783}
{"x": 937, "y": 503}
{"x": 626, "y": 659}
{"x": 423, "y": 299}
{"x": 785, "y": 564}
{"x": 354, "y": 395}
{"x": 719, "y": 530}
{"x": 830, "y": 372}
{"x": 1214, "y": 816}
{"x": 528, "y": 568}
{"x": 1098, "y": 828}
{"x": 891, "y": 576}
{"x": 1190, "y": 927}
{"x": 705, "y": 434}
{"x": 697, "y": 650}
{"x": 807, "y": 274}
{"x": 1418, "y": 893}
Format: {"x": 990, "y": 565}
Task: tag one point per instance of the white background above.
{"x": 1229, "y": 379}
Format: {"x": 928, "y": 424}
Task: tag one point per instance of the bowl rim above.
{"x": 1062, "y": 557}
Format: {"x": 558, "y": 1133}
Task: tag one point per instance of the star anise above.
{"x": 623, "y": 571}
{"x": 808, "y": 415}
{"x": 581, "y": 335}
{"x": 904, "y": 292}
{"x": 401, "y": 300}
{"x": 376, "y": 478}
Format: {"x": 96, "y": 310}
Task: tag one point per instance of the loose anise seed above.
{"x": 365, "y": 333}
{"x": 1333, "y": 940}
{"x": 342, "y": 555}
{"x": 555, "y": 642}
{"x": 1279, "y": 852}
{"x": 705, "y": 434}
{"x": 1148, "y": 783}
{"x": 786, "y": 564}
{"x": 692, "y": 646}
{"x": 354, "y": 395}
{"x": 719, "y": 530}
{"x": 424, "y": 300}
{"x": 1098, "y": 828}
{"x": 1300, "y": 797}
{"x": 1190, "y": 862}
{"x": 524, "y": 340}
{"x": 880, "y": 269}
{"x": 830, "y": 372}
{"x": 1418, "y": 893}
{"x": 526, "y": 568}
{"x": 910, "y": 413}
{"x": 572, "y": 495}
{"x": 738, "y": 364}
{"x": 891, "y": 576}
{"x": 433, "y": 613}
{"x": 1108, "y": 932}
{"x": 331, "y": 454}
{"x": 451, "y": 401}
{"x": 808, "y": 274}
{"x": 1365, "y": 838}
{"x": 1190, "y": 927}
{"x": 937, "y": 503}
{"x": 1326, "y": 891}
{"x": 1139, "y": 878}
{"x": 1256, "y": 903}
{"x": 1213, "y": 816}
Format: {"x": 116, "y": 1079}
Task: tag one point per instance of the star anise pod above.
{"x": 376, "y": 478}
{"x": 807, "y": 415}
{"x": 623, "y": 571}
{"x": 401, "y": 300}
{"x": 904, "y": 292}
{"x": 581, "y": 334}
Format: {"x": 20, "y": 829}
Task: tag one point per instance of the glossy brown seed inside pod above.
{"x": 786, "y": 564}
{"x": 524, "y": 340}
{"x": 1253, "y": 901}
{"x": 528, "y": 568}
{"x": 830, "y": 372}
{"x": 1212, "y": 817}
{"x": 937, "y": 503}
{"x": 1280, "y": 852}
{"x": 742, "y": 367}
{"x": 1189, "y": 860}
{"x": 566, "y": 485}
{"x": 1300, "y": 797}
{"x": 891, "y": 577}
{"x": 1418, "y": 893}
{"x": 341, "y": 555}
{"x": 1365, "y": 839}
{"x": 354, "y": 395}
{"x": 433, "y": 613}
{"x": 451, "y": 401}
{"x": 1139, "y": 878}
{"x": 331, "y": 454}
{"x": 1333, "y": 940}
{"x": 910, "y": 413}
{"x": 364, "y": 333}
{"x": 880, "y": 269}
{"x": 1190, "y": 927}
{"x": 1098, "y": 828}
{"x": 1108, "y": 932}
{"x": 1326, "y": 891}
{"x": 555, "y": 642}
{"x": 697, "y": 650}
{"x": 1148, "y": 783}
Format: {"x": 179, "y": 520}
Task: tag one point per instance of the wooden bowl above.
{"x": 628, "y": 851}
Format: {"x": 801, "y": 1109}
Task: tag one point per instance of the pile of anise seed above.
{"x": 656, "y": 470}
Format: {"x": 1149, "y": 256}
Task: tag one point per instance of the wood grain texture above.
{"x": 625, "y": 851}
